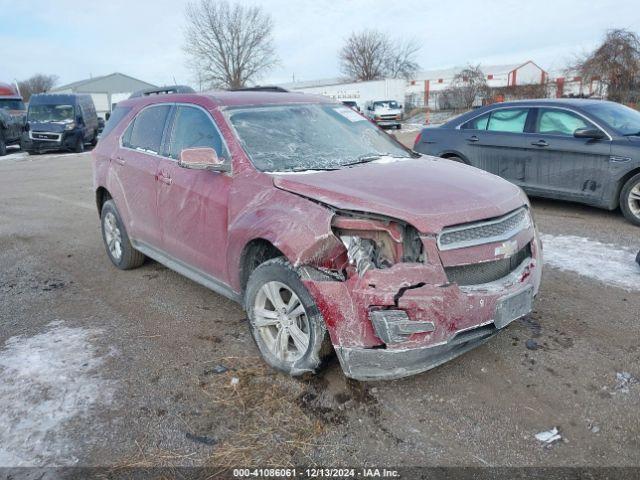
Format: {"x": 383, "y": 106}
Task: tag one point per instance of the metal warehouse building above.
{"x": 106, "y": 90}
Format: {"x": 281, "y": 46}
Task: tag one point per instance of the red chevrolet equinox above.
{"x": 330, "y": 233}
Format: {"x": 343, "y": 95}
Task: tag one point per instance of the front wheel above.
{"x": 79, "y": 147}
{"x": 284, "y": 320}
{"x": 630, "y": 199}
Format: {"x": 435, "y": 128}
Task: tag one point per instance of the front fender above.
{"x": 299, "y": 228}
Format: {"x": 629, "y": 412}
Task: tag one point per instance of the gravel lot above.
{"x": 104, "y": 367}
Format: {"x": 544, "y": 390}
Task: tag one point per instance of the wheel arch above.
{"x": 102, "y": 195}
{"x": 622, "y": 182}
{"x": 453, "y": 153}
{"x": 254, "y": 253}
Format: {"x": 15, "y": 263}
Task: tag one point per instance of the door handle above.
{"x": 166, "y": 179}
{"x": 473, "y": 138}
{"x": 119, "y": 160}
{"x": 540, "y": 143}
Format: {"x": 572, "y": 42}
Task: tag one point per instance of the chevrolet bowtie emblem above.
{"x": 507, "y": 249}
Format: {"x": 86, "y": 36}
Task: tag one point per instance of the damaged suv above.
{"x": 329, "y": 232}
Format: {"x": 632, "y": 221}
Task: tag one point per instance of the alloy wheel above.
{"x": 634, "y": 200}
{"x": 113, "y": 236}
{"x": 281, "y": 321}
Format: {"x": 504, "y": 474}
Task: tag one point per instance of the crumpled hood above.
{"x": 428, "y": 193}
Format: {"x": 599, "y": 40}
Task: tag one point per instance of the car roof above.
{"x": 536, "y": 102}
{"x": 56, "y": 97}
{"x": 224, "y": 98}
{"x": 575, "y": 102}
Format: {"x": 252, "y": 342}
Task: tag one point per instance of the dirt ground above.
{"x": 170, "y": 375}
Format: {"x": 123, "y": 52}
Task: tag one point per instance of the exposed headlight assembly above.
{"x": 373, "y": 243}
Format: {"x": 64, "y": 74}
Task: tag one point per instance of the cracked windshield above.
{"x": 292, "y": 138}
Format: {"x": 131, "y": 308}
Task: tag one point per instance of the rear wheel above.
{"x": 116, "y": 241}
{"x": 3, "y": 147}
{"x": 630, "y": 200}
{"x": 284, "y": 320}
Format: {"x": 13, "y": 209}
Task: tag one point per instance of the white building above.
{"x": 571, "y": 84}
{"x": 359, "y": 92}
{"x": 106, "y": 91}
{"x": 424, "y": 90}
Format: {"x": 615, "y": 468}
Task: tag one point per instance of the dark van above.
{"x": 61, "y": 122}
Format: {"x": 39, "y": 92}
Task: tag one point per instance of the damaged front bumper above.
{"x": 384, "y": 364}
{"x": 409, "y": 318}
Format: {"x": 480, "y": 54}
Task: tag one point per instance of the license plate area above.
{"x": 513, "y": 307}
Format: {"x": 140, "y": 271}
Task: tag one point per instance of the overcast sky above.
{"x": 144, "y": 38}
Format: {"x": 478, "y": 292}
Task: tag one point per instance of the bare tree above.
{"x": 38, "y": 83}
{"x": 615, "y": 64}
{"x": 467, "y": 86}
{"x": 228, "y": 45}
{"x": 371, "y": 55}
{"x": 401, "y": 59}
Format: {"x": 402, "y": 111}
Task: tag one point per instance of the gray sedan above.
{"x": 585, "y": 151}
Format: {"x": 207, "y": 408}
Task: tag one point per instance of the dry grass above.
{"x": 267, "y": 426}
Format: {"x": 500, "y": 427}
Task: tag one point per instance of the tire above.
{"x": 630, "y": 200}
{"x": 94, "y": 140}
{"x": 304, "y": 350}
{"x": 3, "y": 147}
{"x": 116, "y": 241}
{"x": 79, "y": 147}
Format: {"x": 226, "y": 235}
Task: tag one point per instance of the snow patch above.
{"x": 605, "y": 262}
{"x": 46, "y": 381}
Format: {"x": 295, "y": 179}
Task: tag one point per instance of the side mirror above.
{"x": 27, "y": 127}
{"x": 107, "y": 115}
{"x": 202, "y": 158}
{"x": 592, "y": 133}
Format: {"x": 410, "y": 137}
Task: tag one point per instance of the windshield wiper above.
{"x": 637, "y": 134}
{"x": 305, "y": 169}
{"x": 370, "y": 157}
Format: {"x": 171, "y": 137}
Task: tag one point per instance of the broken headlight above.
{"x": 363, "y": 253}
{"x": 374, "y": 243}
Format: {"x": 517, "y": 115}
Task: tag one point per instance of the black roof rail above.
{"x": 259, "y": 88}
{"x": 162, "y": 91}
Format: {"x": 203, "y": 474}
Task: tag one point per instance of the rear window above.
{"x": 147, "y": 129}
{"x": 510, "y": 120}
{"x": 116, "y": 117}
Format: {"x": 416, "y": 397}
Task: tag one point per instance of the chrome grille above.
{"x": 485, "y": 272}
{"x": 489, "y": 231}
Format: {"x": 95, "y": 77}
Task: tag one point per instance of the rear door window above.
{"x": 192, "y": 128}
{"x": 552, "y": 121}
{"x": 145, "y": 133}
{"x": 511, "y": 120}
